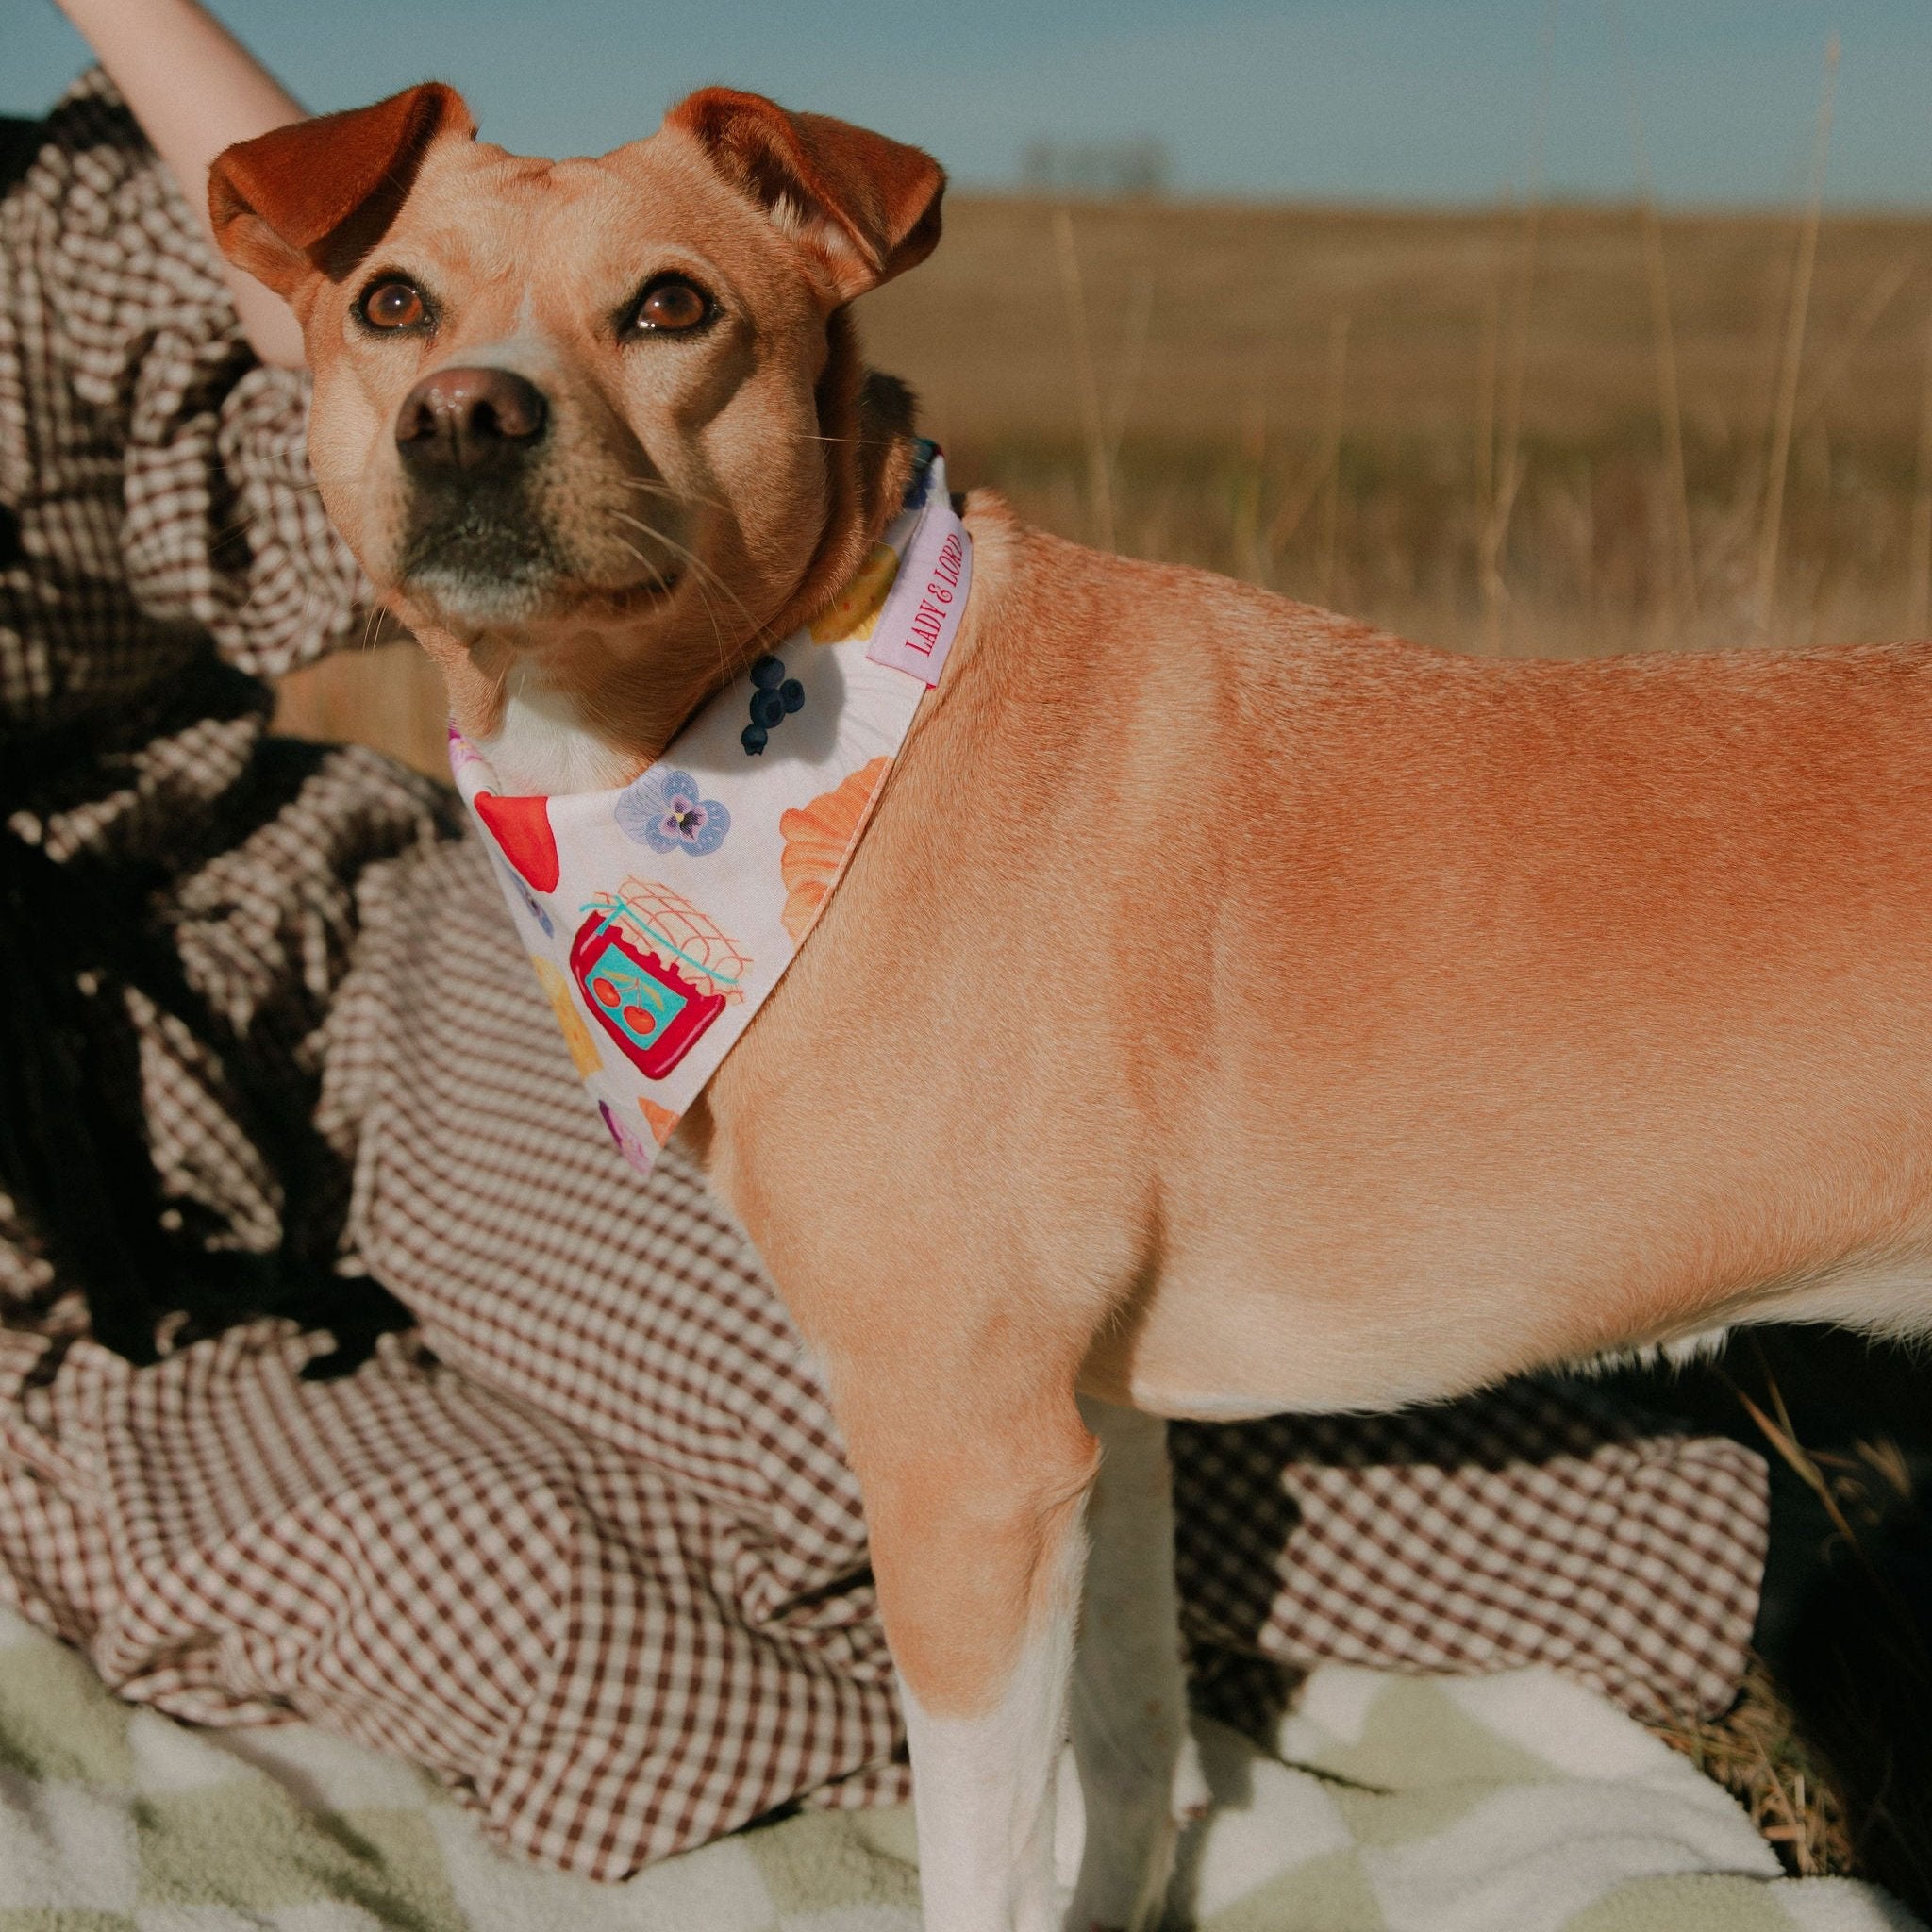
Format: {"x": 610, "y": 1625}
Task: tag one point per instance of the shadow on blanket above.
{"x": 1845, "y": 1622}
{"x": 80, "y": 940}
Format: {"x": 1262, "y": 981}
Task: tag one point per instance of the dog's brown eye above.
{"x": 672, "y": 306}
{"x": 395, "y": 305}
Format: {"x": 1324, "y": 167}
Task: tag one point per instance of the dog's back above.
{"x": 1428, "y": 1016}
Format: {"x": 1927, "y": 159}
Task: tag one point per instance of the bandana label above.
{"x": 658, "y": 917}
{"x": 915, "y": 630}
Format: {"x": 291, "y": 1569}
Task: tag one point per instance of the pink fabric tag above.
{"x": 924, "y": 608}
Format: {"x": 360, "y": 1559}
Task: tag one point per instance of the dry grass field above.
{"x": 1565, "y": 431}
{"x": 1457, "y": 426}
{"x": 1453, "y": 425}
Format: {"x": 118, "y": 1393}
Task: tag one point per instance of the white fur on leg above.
{"x": 983, "y": 1786}
{"x": 1140, "y": 1773}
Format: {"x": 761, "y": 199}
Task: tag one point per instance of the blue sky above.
{"x": 1413, "y": 100}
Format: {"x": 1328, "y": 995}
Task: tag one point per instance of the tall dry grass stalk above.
{"x": 1669, "y": 404}
{"x": 1505, "y": 467}
{"x": 1321, "y": 482}
{"x": 1126, "y": 383}
{"x": 1086, "y": 382}
{"x": 1778, "y": 462}
{"x": 1919, "y": 570}
{"x": 1489, "y": 356}
{"x": 1334, "y": 407}
{"x": 1251, "y": 482}
{"x": 1878, "y": 298}
{"x": 1507, "y": 470}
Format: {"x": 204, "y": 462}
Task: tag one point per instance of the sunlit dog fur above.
{"x": 1231, "y": 1009}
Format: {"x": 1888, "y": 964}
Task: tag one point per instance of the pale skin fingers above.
{"x": 196, "y": 90}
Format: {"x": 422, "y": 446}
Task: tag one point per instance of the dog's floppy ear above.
{"x": 314, "y": 197}
{"x": 866, "y": 207}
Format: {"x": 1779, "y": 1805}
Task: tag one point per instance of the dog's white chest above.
{"x": 543, "y": 745}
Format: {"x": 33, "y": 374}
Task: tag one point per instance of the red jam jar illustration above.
{"x": 648, "y": 1007}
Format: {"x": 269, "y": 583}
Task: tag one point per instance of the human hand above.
{"x": 195, "y": 89}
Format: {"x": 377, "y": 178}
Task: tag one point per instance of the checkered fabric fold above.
{"x": 585, "y": 1545}
{"x": 162, "y": 548}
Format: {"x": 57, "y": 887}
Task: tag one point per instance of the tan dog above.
{"x": 1229, "y": 1011}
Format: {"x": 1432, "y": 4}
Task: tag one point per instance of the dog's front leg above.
{"x": 1138, "y": 1772}
{"x": 974, "y": 1500}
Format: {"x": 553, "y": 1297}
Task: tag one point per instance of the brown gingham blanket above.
{"x": 583, "y": 1542}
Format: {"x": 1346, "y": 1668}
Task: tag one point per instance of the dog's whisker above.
{"x": 704, "y": 603}
{"x": 702, "y": 572}
{"x": 255, "y": 518}
{"x": 646, "y": 487}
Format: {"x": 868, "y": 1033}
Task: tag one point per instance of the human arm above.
{"x": 195, "y": 89}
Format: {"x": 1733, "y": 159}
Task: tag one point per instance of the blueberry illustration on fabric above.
{"x": 773, "y": 698}
{"x": 662, "y": 810}
{"x": 924, "y": 450}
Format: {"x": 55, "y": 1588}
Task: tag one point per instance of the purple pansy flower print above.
{"x": 531, "y": 903}
{"x": 662, "y": 810}
{"x": 628, "y": 1145}
{"x": 534, "y": 907}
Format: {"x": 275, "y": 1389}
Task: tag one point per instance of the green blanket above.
{"x": 1510, "y": 1804}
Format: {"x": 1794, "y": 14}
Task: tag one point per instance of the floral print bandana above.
{"x": 658, "y": 917}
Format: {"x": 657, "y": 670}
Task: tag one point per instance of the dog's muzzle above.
{"x": 470, "y": 441}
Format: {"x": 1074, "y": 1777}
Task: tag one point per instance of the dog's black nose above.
{"x": 470, "y": 419}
